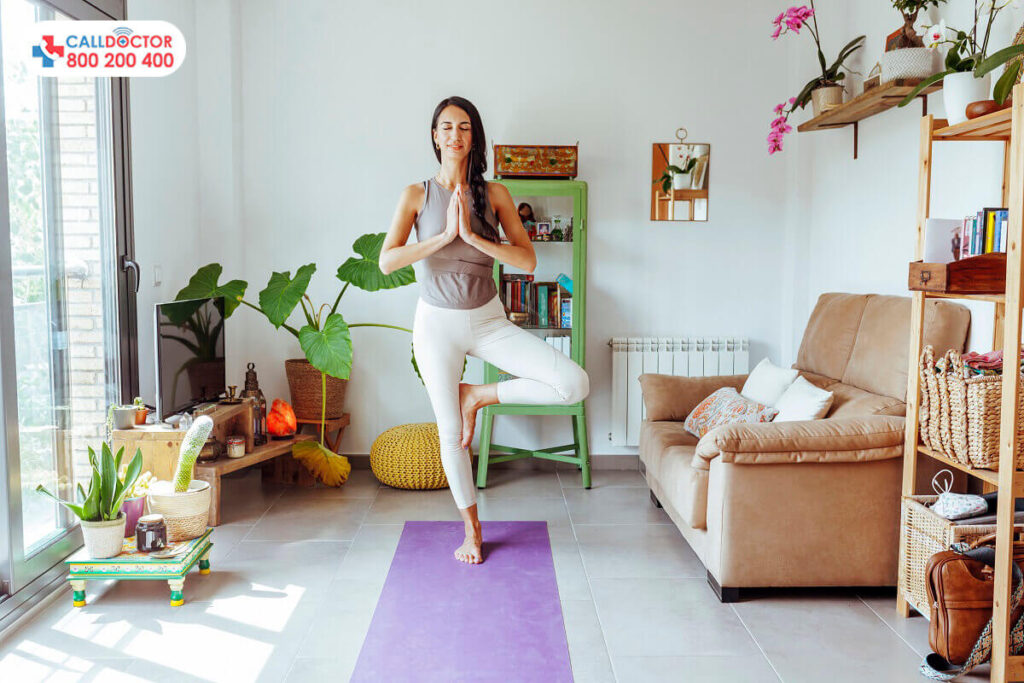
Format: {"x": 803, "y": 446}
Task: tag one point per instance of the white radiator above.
{"x": 683, "y": 356}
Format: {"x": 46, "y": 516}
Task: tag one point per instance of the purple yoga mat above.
{"x": 439, "y": 619}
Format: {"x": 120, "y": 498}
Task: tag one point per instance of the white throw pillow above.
{"x": 766, "y": 383}
{"x": 803, "y": 401}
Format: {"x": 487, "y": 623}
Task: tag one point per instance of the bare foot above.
{"x": 470, "y": 551}
{"x": 470, "y": 405}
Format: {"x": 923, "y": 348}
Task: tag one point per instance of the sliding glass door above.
{"x": 65, "y": 307}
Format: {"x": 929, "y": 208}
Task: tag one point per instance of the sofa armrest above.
{"x": 667, "y": 397}
{"x": 847, "y": 439}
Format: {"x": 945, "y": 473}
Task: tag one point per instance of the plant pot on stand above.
{"x": 826, "y": 96}
{"x": 959, "y": 90}
{"x": 104, "y": 539}
{"x": 304, "y": 384}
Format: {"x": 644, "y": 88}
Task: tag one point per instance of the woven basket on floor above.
{"x": 409, "y": 457}
{"x": 922, "y": 534}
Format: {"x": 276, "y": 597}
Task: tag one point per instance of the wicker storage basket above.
{"x": 959, "y": 417}
{"x": 922, "y": 534}
{"x": 186, "y": 514}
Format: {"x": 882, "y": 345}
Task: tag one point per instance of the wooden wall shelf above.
{"x": 874, "y": 101}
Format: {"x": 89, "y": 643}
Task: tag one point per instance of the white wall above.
{"x": 308, "y": 118}
{"x": 165, "y": 169}
{"x": 851, "y": 224}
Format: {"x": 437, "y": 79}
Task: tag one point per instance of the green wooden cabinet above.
{"x": 552, "y": 258}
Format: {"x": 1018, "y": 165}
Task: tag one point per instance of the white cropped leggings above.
{"x": 442, "y": 337}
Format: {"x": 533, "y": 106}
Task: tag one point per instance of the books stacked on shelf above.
{"x": 561, "y": 342}
{"x": 536, "y": 304}
{"x": 984, "y": 232}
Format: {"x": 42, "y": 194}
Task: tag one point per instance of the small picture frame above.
{"x": 543, "y": 228}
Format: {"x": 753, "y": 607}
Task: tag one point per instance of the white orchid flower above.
{"x": 935, "y": 34}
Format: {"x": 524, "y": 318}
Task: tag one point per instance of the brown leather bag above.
{"x": 960, "y": 592}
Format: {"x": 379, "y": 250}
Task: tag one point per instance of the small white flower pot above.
{"x": 959, "y": 90}
{"x": 908, "y": 62}
{"x": 681, "y": 181}
{"x": 104, "y": 539}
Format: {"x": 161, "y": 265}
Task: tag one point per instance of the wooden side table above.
{"x": 335, "y": 424}
{"x": 136, "y": 566}
{"x": 290, "y": 471}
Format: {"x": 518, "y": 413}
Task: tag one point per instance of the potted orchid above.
{"x": 968, "y": 63}
{"x": 905, "y": 53}
{"x": 822, "y": 90}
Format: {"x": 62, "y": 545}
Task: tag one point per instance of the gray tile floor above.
{"x": 297, "y": 573}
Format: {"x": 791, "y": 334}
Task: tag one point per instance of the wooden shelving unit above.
{"x": 874, "y": 101}
{"x": 1006, "y": 126}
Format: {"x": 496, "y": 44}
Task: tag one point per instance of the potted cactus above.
{"x": 99, "y": 508}
{"x": 185, "y": 502}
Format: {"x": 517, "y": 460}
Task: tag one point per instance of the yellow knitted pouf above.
{"x": 409, "y": 457}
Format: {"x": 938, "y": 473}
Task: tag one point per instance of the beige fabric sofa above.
{"x": 799, "y": 503}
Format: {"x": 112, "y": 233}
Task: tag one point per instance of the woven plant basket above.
{"x": 907, "y": 62}
{"x": 922, "y": 534}
{"x": 305, "y": 389}
{"x": 409, "y": 457}
{"x": 186, "y": 514}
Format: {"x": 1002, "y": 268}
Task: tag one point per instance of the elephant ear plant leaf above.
{"x": 364, "y": 271}
{"x": 282, "y": 294}
{"x": 204, "y": 284}
{"x": 107, "y": 491}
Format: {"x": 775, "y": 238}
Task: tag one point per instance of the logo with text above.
{"x": 106, "y": 48}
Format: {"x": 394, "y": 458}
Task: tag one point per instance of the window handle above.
{"x": 129, "y": 264}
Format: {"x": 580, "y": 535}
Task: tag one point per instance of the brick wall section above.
{"x": 80, "y": 212}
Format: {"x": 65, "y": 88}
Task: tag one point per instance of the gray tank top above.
{"x": 457, "y": 275}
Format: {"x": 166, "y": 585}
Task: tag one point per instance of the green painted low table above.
{"x": 134, "y": 565}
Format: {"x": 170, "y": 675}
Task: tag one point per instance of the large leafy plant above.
{"x": 970, "y": 53}
{"x": 107, "y": 490}
{"x": 324, "y": 337}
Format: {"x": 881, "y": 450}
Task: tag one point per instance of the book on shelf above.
{"x": 981, "y": 233}
{"x": 538, "y": 304}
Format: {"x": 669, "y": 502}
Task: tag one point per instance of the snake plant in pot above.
{"x": 324, "y": 336}
{"x": 99, "y": 507}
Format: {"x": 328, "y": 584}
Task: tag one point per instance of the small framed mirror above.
{"x": 679, "y": 181}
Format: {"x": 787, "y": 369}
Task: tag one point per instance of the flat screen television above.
{"x": 189, "y": 354}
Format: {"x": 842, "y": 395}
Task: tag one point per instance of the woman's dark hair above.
{"x": 477, "y": 161}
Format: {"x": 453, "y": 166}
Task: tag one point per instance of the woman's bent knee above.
{"x": 576, "y": 386}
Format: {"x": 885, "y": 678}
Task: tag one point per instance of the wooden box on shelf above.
{"x": 160, "y": 444}
{"x": 984, "y": 274}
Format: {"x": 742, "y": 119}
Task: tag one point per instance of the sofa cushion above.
{"x": 767, "y": 382}
{"x": 830, "y": 334}
{"x": 878, "y": 362}
{"x": 656, "y": 438}
{"x": 803, "y": 401}
{"x": 685, "y": 487}
{"x": 848, "y": 401}
{"x": 726, "y": 406}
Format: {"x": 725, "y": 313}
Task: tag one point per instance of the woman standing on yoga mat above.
{"x": 456, "y": 215}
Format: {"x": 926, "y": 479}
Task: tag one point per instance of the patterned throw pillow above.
{"x": 725, "y": 406}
